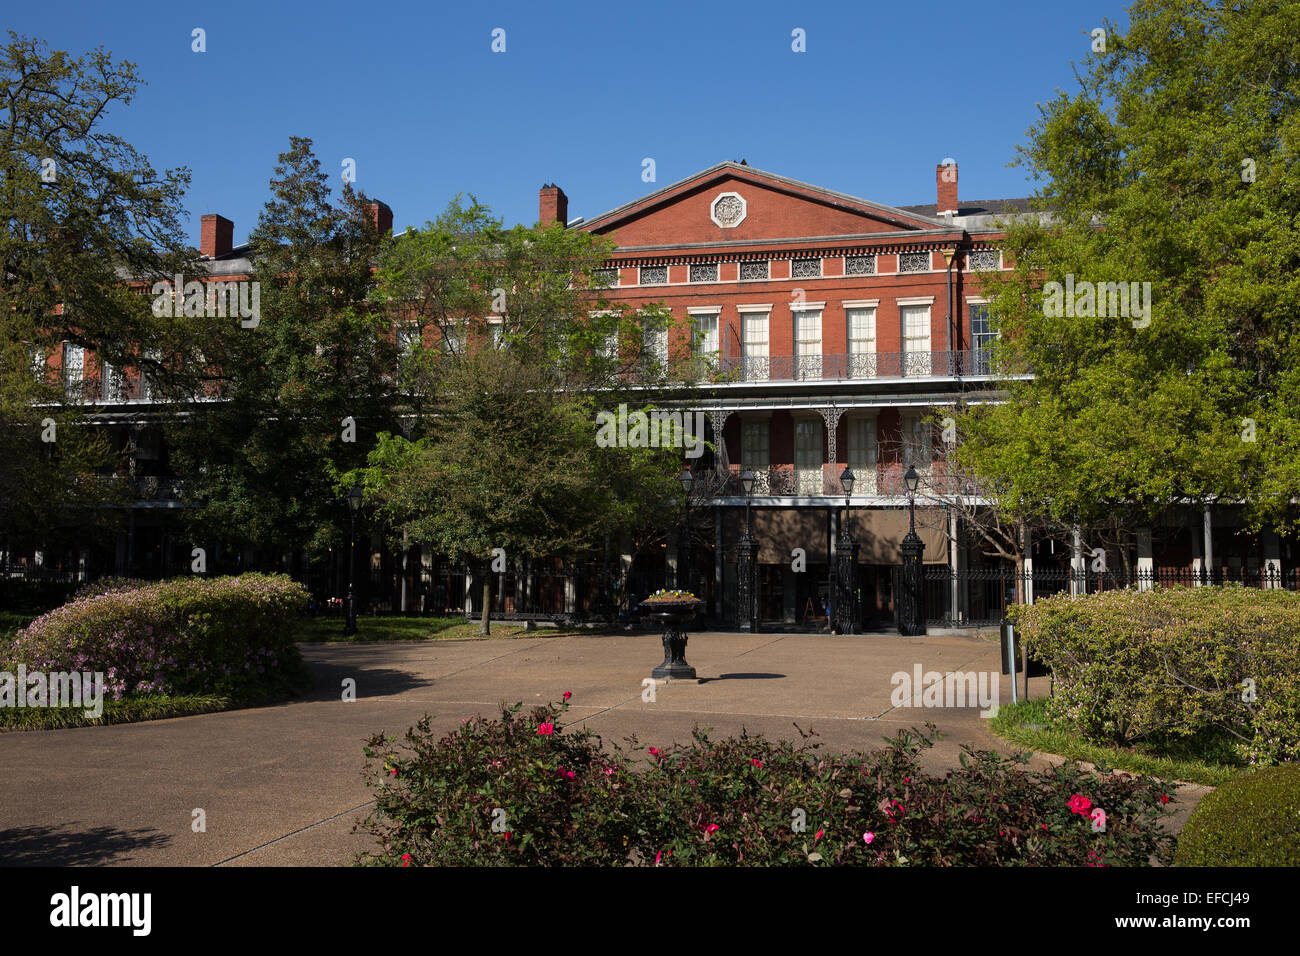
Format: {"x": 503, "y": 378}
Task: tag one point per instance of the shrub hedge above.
{"x": 1174, "y": 663}
{"x": 230, "y": 636}
{"x": 520, "y": 791}
{"x": 1251, "y": 821}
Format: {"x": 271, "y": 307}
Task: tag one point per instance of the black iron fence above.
{"x": 979, "y": 597}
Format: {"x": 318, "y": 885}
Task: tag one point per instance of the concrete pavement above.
{"x": 282, "y": 785}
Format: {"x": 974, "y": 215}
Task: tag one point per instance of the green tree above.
{"x": 307, "y": 387}
{"x": 81, "y": 208}
{"x": 511, "y": 356}
{"x": 1176, "y": 163}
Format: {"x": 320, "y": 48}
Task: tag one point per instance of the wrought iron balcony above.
{"x": 788, "y": 481}
{"x": 841, "y": 366}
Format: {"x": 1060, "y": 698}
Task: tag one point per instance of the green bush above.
{"x": 1251, "y": 821}
{"x": 230, "y": 636}
{"x": 1173, "y": 664}
{"x": 561, "y": 800}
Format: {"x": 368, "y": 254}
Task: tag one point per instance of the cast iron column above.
{"x": 746, "y": 585}
{"x": 911, "y": 611}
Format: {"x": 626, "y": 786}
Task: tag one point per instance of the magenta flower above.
{"x": 1080, "y": 804}
{"x": 546, "y": 728}
{"x": 710, "y": 828}
{"x": 567, "y": 695}
{"x": 757, "y": 763}
{"x": 868, "y": 837}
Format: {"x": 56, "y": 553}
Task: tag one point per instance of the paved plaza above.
{"x": 282, "y": 785}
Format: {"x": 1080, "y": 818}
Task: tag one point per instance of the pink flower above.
{"x": 567, "y": 694}
{"x": 546, "y": 728}
{"x": 609, "y": 771}
{"x": 406, "y": 859}
{"x": 1080, "y": 804}
{"x": 868, "y": 836}
{"x": 654, "y": 751}
{"x": 710, "y": 828}
{"x": 756, "y": 762}
{"x": 818, "y": 836}
{"x": 507, "y": 836}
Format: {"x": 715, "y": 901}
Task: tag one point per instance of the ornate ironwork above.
{"x": 808, "y": 367}
{"x": 859, "y": 265}
{"x": 984, "y": 260}
{"x": 914, "y": 262}
{"x": 805, "y": 268}
{"x": 846, "y": 552}
{"x": 703, "y": 272}
{"x": 728, "y": 210}
{"x": 754, "y": 270}
{"x": 654, "y": 275}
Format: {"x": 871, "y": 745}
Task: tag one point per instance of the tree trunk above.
{"x": 485, "y": 623}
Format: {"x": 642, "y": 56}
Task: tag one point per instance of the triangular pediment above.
{"x": 735, "y": 203}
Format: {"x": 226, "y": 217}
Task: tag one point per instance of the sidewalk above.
{"x": 282, "y": 785}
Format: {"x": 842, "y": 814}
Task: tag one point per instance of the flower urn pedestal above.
{"x": 674, "y": 616}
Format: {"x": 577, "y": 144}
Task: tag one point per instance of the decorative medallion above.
{"x": 728, "y": 210}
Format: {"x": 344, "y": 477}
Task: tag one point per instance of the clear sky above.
{"x": 584, "y": 92}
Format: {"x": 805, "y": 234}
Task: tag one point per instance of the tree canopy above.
{"x": 1175, "y": 164}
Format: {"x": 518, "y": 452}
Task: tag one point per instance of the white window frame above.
{"x": 861, "y": 363}
{"x": 808, "y": 475}
{"x": 756, "y": 450}
{"x": 756, "y": 364}
{"x": 916, "y": 361}
{"x": 808, "y": 363}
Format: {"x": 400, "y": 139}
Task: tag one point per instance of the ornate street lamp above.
{"x": 846, "y": 557}
{"x": 354, "y": 504}
{"x": 746, "y": 572}
{"x": 684, "y": 575}
{"x": 911, "y": 617}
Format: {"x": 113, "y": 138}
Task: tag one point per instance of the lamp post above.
{"x": 684, "y": 575}
{"x": 911, "y": 619}
{"x": 846, "y": 557}
{"x": 746, "y": 585}
{"x": 354, "y": 503}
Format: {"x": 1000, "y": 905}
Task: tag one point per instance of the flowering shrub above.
{"x": 231, "y": 636}
{"x": 734, "y": 802}
{"x": 1175, "y": 663}
{"x": 558, "y": 799}
{"x": 515, "y": 791}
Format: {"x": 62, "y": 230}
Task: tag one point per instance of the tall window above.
{"x": 917, "y": 446}
{"x": 808, "y": 344}
{"x": 610, "y": 347}
{"x": 808, "y": 456}
{"x": 74, "y": 366}
{"x": 754, "y": 342}
{"x": 755, "y": 453}
{"x": 655, "y": 345}
{"x": 982, "y": 336}
{"x": 704, "y": 341}
{"x": 862, "y": 343}
{"x": 916, "y": 339}
{"x": 863, "y": 453}
{"x": 111, "y": 382}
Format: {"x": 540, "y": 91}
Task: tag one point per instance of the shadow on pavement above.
{"x": 370, "y": 681}
{"x": 706, "y": 680}
{"x": 48, "y": 846}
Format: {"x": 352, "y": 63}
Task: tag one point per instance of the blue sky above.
{"x": 583, "y": 93}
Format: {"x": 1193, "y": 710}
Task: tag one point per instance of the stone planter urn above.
{"x": 674, "y": 609}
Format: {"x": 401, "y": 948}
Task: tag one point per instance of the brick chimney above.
{"x": 380, "y": 215}
{"x": 946, "y": 178}
{"x": 217, "y": 236}
{"x": 553, "y": 205}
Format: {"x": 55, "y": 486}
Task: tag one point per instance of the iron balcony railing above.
{"x": 968, "y": 363}
{"x": 824, "y": 481}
